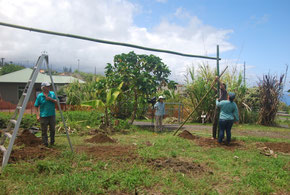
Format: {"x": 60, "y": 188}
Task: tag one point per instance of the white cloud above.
{"x": 102, "y": 19}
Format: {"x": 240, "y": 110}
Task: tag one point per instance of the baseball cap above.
{"x": 45, "y": 84}
{"x": 161, "y": 97}
{"x": 232, "y": 95}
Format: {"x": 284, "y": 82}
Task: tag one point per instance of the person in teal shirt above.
{"x": 228, "y": 115}
{"x": 46, "y": 101}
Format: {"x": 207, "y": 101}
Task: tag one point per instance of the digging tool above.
{"x": 212, "y": 85}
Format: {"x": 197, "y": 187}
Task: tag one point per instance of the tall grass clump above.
{"x": 271, "y": 89}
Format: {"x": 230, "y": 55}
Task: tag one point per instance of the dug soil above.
{"x": 276, "y": 146}
{"x": 33, "y": 148}
{"x": 28, "y": 139}
{"x": 177, "y": 165}
{"x": 208, "y": 142}
{"x": 100, "y": 138}
{"x": 109, "y": 152}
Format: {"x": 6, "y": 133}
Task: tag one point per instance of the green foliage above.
{"x": 234, "y": 81}
{"x": 27, "y": 121}
{"x": 111, "y": 97}
{"x": 77, "y": 92}
{"x": 79, "y": 121}
{"x": 52, "y": 167}
{"x": 4, "y": 118}
{"x": 8, "y": 68}
{"x": 142, "y": 76}
{"x": 197, "y": 85}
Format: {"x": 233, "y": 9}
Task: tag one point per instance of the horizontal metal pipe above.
{"x": 105, "y": 42}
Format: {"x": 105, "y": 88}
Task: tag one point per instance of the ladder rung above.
{"x": 2, "y": 148}
{"x": 29, "y": 80}
{"x": 19, "y": 107}
{"x": 24, "y": 94}
{"x": 8, "y": 135}
{"x": 13, "y": 121}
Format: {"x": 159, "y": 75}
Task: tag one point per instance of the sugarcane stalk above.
{"x": 199, "y": 103}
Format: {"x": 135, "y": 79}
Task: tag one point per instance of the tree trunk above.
{"x": 107, "y": 121}
{"x": 135, "y": 106}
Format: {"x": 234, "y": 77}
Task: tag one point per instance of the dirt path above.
{"x": 208, "y": 130}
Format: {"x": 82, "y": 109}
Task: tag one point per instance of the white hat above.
{"x": 161, "y": 97}
{"x": 45, "y": 84}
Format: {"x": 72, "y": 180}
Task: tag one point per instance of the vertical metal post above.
{"x": 182, "y": 107}
{"x": 244, "y": 74}
{"x": 78, "y": 64}
{"x": 179, "y": 112}
{"x": 218, "y": 69}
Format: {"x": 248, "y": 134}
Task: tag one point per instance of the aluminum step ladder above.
{"x": 14, "y": 123}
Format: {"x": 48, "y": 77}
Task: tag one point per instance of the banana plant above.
{"x": 107, "y": 105}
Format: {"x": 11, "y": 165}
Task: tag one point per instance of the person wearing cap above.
{"x": 46, "y": 116}
{"x": 159, "y": 113}
{"x": 228, "y": 115}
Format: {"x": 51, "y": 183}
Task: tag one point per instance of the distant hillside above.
{"x": 286, "y": 98}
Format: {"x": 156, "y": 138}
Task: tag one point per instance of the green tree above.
{"x": 142, "y": 76}
{"x": 8, "y": 68}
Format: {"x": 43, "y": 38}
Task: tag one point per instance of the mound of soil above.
{"x": 28, "y": 139}
{"x": 101, "y": 138}
{"x": 176, "y": 165}
{"x": 109, "y": 152}
{"x": 187, "y": 135}
{"x": 208, "y": 142}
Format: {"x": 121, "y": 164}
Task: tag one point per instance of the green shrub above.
{"x": 4, "y": 118}
{"x": 27, "y": 121}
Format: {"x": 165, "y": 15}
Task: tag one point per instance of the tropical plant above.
{"x": 197, "y": 85}
{"x": 271, "y": 89}
{"x": 107, "y": 105}
{"x": 142, "y": 76}
{"x": 77, "y": 92}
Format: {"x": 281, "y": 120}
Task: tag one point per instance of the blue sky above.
{"x": 261, "y": 28}
{"x": 257, "y": 32}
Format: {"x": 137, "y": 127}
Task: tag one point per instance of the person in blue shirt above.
{"x": 228, "y": 115}
{"x": 46, "y": 102}
{"x": 159, "y": 113}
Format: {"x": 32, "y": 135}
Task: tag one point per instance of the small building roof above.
{"x": 22, "y": 76}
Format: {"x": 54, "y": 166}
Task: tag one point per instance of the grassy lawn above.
{"x": 152, "y": 164}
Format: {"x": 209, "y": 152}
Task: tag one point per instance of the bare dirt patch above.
{"x": 176, "y": 165}
{"x": 109, "y": 152}
{"x": 33, "y": 148}
{"x": 30, "y": 153}
{"x": 276, "y": 146}
{"x": 208, "y": 142}
{"x": 101, "y": 138}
